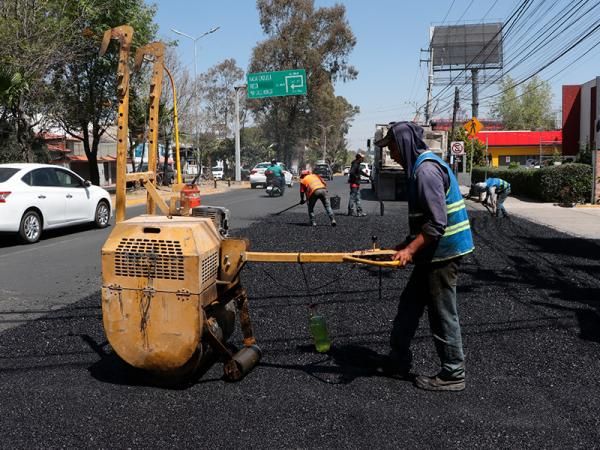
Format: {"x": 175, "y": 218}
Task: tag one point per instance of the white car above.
{"x": 217, "y": 173}
{"x": 38, "y": 197}
{"x": 258, "y": 177}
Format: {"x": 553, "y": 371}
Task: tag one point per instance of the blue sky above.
{"x": 390, "y": 33}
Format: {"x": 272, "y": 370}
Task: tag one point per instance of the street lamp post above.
{"x": 325, "y": 129}
{"x": 238, "y": 168}
{"x": 195, "y": 40}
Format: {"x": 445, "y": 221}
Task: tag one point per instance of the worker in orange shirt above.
{"x": 315, "y": 189}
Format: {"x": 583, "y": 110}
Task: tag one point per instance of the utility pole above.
{"x": 429, "y": 61}
{"x": 475, "y": 89}
{"x": 238, "y": 167}
{"x": 454, "y": 111}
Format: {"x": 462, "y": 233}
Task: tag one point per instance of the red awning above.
{"x": 520, "y": 138}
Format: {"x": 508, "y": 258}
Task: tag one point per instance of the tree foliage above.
{"x": 525, "y": 109}
{"x": 85, "y": 86}
{"x": 31, "y": 33}
{"x": 319, "y": 40}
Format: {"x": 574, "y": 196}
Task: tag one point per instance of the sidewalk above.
{"x": 138, "y": 197}
{"x": 578, "y": 221}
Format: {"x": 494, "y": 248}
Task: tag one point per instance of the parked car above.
{"x": 218, "y": 173}
{"x": 346, "y": 170}
{"x": 365, "y": 167}
{"x": 258, "y": 178}
{"x": 39, "y": 197}
{"x": 160, "y": 170}
{"x": 324, "y": 171}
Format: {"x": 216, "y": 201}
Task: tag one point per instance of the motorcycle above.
{"x": 273, "y": 185}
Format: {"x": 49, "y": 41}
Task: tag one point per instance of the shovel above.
{"x": 286, "y": 209}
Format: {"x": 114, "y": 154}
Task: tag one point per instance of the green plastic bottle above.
{"x": 318, "y": 330}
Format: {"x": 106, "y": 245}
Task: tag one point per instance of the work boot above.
{"x": 440, "y": 382}
{"x": 333, "y": 223}
{"x": 361, "y": 214}
{"x": 313, "y": 223}
{"x": 350, "y": 213}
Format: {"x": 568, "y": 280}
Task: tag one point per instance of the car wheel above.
{"x": 30, "y": 229}
{"x": 102, "y": 216}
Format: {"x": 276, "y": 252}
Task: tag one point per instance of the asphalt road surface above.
{"x": 529, "y": 304}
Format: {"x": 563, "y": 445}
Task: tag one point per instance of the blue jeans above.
{"x": 500, "y": 211}
{"x": 431, "y": 285}
{"x": 354, "y": 206}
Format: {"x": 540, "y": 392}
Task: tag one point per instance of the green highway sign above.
{"x": 276, "y": 84}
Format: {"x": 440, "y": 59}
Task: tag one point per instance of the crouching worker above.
{"x": 496, "y": 192}
{"x": 440, "y": 235}
{"x": 315, "y": 189}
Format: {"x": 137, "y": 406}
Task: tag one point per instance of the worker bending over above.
{"x": 496, "y": 191}
{"x": 315, "y": 189}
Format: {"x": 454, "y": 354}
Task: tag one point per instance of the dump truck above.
{"x": 389, "y": 179}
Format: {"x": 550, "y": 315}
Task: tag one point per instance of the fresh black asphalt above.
{"x": 529, "y": 301}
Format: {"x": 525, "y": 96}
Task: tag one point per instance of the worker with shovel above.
{"x": 496, "y": 191}
{"x": 440, "y": 235}
{"x": 315, "y": 189}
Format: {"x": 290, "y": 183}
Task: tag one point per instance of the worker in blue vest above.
{"x": 496, "y": 191}
{"x": 440, "y": 235}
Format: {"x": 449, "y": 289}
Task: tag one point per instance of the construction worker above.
{"x": 354, "y": 206}
{"x": 315, "y": 189}
{"x": 496, "y": 192}
{"x": 277, "y": 173}
{"x": 440, "y": 235}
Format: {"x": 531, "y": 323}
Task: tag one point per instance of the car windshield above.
{"x": 6, "y": 173}
{"x": 262, "y": 165}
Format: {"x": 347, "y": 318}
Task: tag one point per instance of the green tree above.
{"x": 85, "y": 87}
{"x": 31, "y": 33}
{"x": 301, "y": 37}
{"x": 527, "y": 109}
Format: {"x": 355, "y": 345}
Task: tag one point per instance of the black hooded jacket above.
{"x": 432, "y": 181}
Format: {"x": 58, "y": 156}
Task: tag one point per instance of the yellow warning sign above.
{"x": 473, "y": 126}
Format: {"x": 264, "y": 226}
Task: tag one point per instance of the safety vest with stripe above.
{"x": 310, "y": 183}
{"x": 498, "y": 183}
{"x": 457, "y": 239}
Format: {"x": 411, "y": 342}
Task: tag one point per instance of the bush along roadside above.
{"x": 565, "y": 184}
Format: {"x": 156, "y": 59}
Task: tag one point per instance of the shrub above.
{"x": 567, "y": 183}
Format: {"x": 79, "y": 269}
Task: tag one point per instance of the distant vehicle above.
{"x": 218, "y": 173}
{"x": 324, "y": 171}
{"x": 258, "y": 178}
{"x": 365, "y": 167}
{"x": 39, "y": 197}
{"x": 160, "y": 171}
{"x": 346, "y": 170}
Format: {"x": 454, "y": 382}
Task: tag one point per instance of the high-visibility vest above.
{"x": 311, "y": 183}
{"x": 457, "y": 239}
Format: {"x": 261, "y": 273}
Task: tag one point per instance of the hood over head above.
{"x": 409, "y": 137}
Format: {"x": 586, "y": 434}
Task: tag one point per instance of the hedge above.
{"x": 566, "y": 183}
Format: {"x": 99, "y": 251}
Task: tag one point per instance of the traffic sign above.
{"x": 457, "y": 148}
{"x": 473, "y": 126}
{"x": 276, "y": 84}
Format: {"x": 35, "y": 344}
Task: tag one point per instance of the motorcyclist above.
{"x": 276, "y": 172}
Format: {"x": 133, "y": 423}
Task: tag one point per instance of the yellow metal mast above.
{"x": 124, "y": 35}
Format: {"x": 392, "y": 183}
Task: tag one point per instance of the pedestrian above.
{"x": 315, "y": 189}
{"x": 277, "y": 174}
{"x": 440, "y": 235}
{"x": 354, "y": 206}
{"x": 496, "y": 192}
